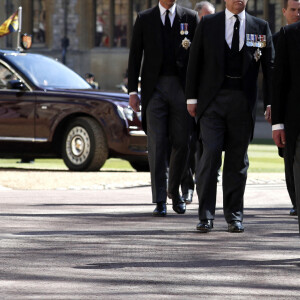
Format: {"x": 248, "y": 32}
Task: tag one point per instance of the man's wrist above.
{"x": 132, "y": 93}
{"x": 191, "y": 101}
{"x": 277, "y": 127}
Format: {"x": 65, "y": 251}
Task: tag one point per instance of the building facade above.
{"x": 94, "y": 35}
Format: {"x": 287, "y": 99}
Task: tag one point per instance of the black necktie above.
{"x": 235, "y": 46}
{"x": 167, "y": 20}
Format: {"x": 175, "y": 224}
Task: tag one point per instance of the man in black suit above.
{"x": 203, "y": 8}
{"x": 226, "y": 54}
{"x": 161, "y": 38}
{"x": 291, "y": 12}
{"x": 285, "y": 100}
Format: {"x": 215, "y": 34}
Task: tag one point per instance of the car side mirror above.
{"x": 15, "y": 85}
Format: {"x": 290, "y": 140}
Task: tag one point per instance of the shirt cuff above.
{"x": 277, "y": 127}
{"x": 132, "y": 93}
{"x": 191, "y": 101}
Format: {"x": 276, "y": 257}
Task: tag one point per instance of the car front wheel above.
{"x": 84, "y": 146}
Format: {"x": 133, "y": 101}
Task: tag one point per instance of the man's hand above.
{"x": 279, "y": 137}
{"x": 268, "y": 114}
{"x": 192, "y": 109}
{"x": 134, "y": 102}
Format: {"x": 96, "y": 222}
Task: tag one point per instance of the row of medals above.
{"x": 252, "y": 40}
{"x": 255, "y": 40}
{"x": 184, "y": 31}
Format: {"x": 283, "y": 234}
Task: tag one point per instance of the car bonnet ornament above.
{"x": 26, "y": 41}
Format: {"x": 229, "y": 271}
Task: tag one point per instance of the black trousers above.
{"x": 226, "y": 125}
{"x": 187, "y": 179}
{"x": 168, "y": 133}
{"x": 296, "y": 169}
{"x": 289, "y": 177}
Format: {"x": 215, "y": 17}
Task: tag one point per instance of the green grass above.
{"x": 58, "y": 164}
{"x": 263, "y": 157}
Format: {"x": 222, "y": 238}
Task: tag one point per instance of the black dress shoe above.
{"x": 188, "y": 197}
{"x": 160, "y": 210}
{"x": 293, "y": 211}
{"x": 205, "y": 226}
{"x": 235, "y": 226}
{"x": 179, "y": 205}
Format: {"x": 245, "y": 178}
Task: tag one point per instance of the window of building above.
{"x": 102, "y": 38}
{"x": 120, "y": 24}
{"x": 255, "y": 8}
{"x": 112, "y": 20}
{"x": 139, "y": 5}
{"x": 39, "y": 22}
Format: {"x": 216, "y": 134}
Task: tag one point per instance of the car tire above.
{"x": 140, "y": 166}
{"x": 84, "y": 146}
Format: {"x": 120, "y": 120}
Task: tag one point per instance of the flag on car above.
{"x": 10, "y": 25}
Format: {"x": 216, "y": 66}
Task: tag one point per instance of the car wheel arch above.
{"x": 61, "y": 124}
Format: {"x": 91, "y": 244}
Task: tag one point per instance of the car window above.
{"x": 47, "y": 73}
{"x": 5, "y": 76}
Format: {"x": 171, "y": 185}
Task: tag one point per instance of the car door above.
{"x": 17, "y": 110}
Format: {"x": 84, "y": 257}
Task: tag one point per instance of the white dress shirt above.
{"x": 172, "y": 13}
{"x": 277, "y": 127}
{"x": 229, "y": 23}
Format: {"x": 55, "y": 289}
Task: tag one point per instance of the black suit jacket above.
{"x": 147, "y": 45}
{"x": 275, "y": 39}
{"x": 286, "y": 79}
{"x": 206, "y": 68}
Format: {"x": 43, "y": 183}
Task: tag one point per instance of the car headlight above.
{"x": 125, "y": 113}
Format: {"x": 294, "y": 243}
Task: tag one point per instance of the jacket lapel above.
{"x": 297, "y": 36}
{"x": 156, "y": 26}
{"x": 251, "y": 28}
{"x": 218, "y": 34}
{"x": 179, "y": 18}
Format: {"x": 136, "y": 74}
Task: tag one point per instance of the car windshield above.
{"x": 46, "y": 72}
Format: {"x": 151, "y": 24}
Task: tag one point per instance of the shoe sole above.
{"x": 202, "y": 230}
{"x": 235, "y": 231}
{"x": 159, "y": 215}
{"x": 179, "y": 212}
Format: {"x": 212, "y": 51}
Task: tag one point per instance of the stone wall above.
{"x": 107, "y": 64}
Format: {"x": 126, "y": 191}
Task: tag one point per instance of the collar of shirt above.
{"x": 172, "y": 13}
{"x": 229, "y": 22}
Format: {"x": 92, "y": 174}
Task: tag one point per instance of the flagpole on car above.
{"x": 19, "y": 30}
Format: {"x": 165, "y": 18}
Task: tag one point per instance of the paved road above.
{"x": 66, "y": 180}
{"x": 104, "y": 244}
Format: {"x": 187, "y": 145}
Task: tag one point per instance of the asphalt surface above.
{"x": 105, "y": 244}
{"x": 65, "y": 235}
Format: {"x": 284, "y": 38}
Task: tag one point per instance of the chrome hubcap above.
{"x": 78, "y": 145}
